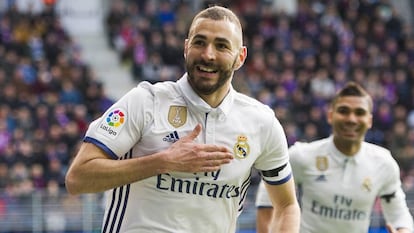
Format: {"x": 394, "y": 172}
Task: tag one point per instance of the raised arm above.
{"x": 94, "y": 171}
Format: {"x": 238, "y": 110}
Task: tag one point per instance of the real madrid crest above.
{"x": 177, "y": 115}
{"x": 322, "y": 163}
{"x": 241, "y": 148}
{"x": 367, "y": 184}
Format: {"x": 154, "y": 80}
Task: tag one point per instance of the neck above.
{"x": 214, "y": 99}
{"x": 348, "y": 148}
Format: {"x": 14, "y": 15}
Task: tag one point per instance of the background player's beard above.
{"x": 201, "y": 88}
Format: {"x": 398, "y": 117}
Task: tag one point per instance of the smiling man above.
{"x": 340, "y": 177}
{"x": 177, "y": 156}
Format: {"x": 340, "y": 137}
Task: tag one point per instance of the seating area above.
{"x": 48, "y": 97}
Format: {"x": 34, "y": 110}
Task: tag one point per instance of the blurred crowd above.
{"x": 299, "y": 53}
{"x": 48, "y": 96}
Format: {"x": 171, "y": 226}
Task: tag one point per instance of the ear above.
{"x": 242, "y": 58}
{"x": 370, "y": 121}
{"x": 185, "y": 48}
{"x": 329, "y": 116}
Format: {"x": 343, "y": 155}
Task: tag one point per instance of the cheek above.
{"x": 369, "y": 123}
{"x": 188, "y": 56}
{"x": 329, "y": 118}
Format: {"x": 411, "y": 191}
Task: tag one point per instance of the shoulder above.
{"x": 147, "y": 94}
{"x": 380, "y": 151}
{"x": 167, "y": 88}
{"x": 314, "y": 147}
{"x": 379, "y": 154}
{"x": 303, "y": 152}
{"x": 256, "y": 107}
{"x": 381, "y": 160}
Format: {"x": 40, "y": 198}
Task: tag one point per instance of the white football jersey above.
{"x": 337, "y": 192}
{"x": 151, "y": 118}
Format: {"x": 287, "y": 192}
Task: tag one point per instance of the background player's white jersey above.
{"x": 337, "y": 192}
{"x": 152, "y": 117}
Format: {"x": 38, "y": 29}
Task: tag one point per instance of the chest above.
{"x": 174, "y": 122}
{"x": 348, "y": 183}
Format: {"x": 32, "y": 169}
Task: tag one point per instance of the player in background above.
{"x": 340, "y": 177}
{"x": 177, "y": 156}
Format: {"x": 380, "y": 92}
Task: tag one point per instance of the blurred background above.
{"x": 63, "y": 62}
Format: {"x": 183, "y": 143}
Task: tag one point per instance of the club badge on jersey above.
{"x": 177, "y": 115}
{"x": 241, "y": 149}
{"x": 367, "y": 184}
{"x": 322, "y": 165}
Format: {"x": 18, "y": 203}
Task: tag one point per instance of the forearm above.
{"x": 286, "y": 220}
{"x": 286, "y": 216}
{"x": 264, "y": 218}
{"x": 91, "y": 173}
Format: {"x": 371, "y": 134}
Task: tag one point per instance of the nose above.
{"x": 209, "y": 53}
{"x": 352, "y": 117}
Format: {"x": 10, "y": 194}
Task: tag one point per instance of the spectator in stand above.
{"x": 40, "y": 77}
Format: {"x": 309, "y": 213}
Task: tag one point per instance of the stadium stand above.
{"x": 298, "y": 57}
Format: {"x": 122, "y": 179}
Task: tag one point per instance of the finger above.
{"x": 390, "y": 229}
{"x": 220, "y": 156}
{"x": 193, "y": 134}
{"x": 215, "y": 148}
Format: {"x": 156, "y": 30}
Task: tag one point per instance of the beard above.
{"x": 205, "y": 88}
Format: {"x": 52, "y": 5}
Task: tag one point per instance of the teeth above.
{"x": 206, "y": 69}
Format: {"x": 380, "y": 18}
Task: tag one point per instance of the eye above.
{"x": 222, "y": 46}
{"x": 343, "y": 110}
{"x": 360, "y": 112}
{"x": 198, "y": 42}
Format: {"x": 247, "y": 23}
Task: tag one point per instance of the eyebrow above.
{"x": 218, "y": 39}
{"x": 353, "y": 109}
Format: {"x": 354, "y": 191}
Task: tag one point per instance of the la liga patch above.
{"x": 112, "y": 123}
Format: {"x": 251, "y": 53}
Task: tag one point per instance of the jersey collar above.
{"x": 341, "y": 157}
{"x": 193, "y": 99}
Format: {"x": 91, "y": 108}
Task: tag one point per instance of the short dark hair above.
{"x": 217, "y": 13}
{"x": 353, "y": 89}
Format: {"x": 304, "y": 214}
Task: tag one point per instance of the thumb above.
{"x": 390, "y": 229}
{"x": 193, "y": 134}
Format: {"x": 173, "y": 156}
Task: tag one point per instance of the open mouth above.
{"x": 206, "y": 69}
{"x": 350, "y": 132}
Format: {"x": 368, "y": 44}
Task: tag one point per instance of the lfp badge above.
{"x": 112, "y": 124}
{"x": 115, "y": 118}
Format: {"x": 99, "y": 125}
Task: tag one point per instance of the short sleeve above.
{"x": 120, "y": 127}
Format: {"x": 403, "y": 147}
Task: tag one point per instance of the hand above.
{"x": 187, "y": 156}
{"x": 391, "y": 229}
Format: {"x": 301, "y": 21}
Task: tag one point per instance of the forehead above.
{"x": 353, "y": 102}
{"x": 214, "y": 29}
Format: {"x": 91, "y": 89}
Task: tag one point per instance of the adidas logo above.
{"x": 321, "y": 178}
{"x": 172, "y": 137}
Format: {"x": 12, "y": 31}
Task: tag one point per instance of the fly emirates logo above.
{"x": 341, "y": 209}
{"x": 196, "y": 186}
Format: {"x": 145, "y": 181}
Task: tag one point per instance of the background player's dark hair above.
{"x": 352, "y": 89}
